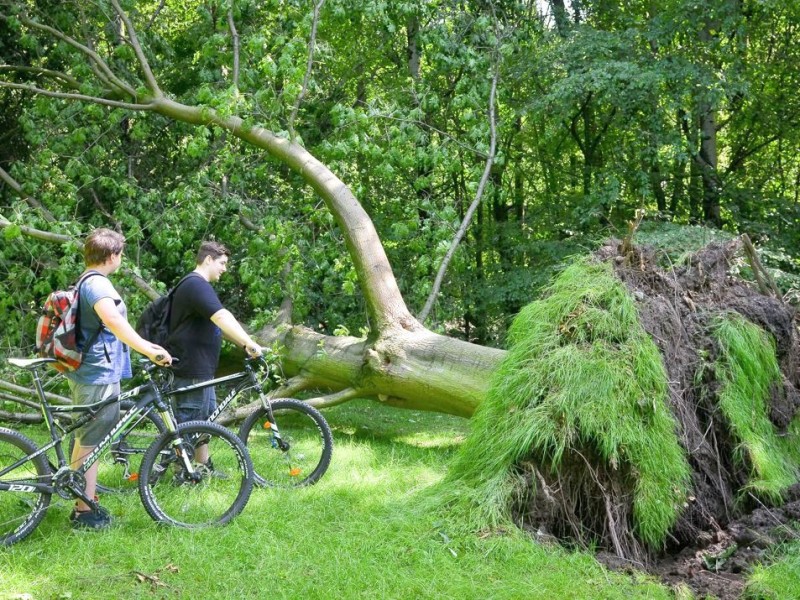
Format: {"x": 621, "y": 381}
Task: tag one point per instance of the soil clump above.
{"x": 723, "y": 529}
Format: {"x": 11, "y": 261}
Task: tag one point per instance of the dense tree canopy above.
{"x": 683, "y": 108}
{"x": 356, "y": 155}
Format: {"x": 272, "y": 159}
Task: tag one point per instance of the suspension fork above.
{"x": 177, "y": 443}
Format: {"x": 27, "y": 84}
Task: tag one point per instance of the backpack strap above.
{"x": 171, "y": 294}
{"x": 92, "y": 338}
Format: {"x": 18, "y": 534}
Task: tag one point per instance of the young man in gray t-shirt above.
{"x": 104, "y": 323}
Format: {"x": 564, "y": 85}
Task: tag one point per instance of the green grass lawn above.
{"x": 359, "y": 533}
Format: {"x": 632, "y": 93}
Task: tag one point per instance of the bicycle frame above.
{"x": 247, "y": 381}
{"x": 152, "y": 396}
{"x": 88, "y": 410}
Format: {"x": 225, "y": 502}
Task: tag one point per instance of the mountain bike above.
{"x": 173, "y": 488}
{"x": 289, "y": 441}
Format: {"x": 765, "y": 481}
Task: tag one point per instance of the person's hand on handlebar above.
{"x": 253, "y": 350}
{"x": 158, "y": 355}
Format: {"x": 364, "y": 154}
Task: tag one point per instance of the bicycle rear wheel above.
{"x": 21, "y": 510}
{"x": 212, "y": 495}
{"x": 120, "y": 463}
{"x": 291, "y": 450}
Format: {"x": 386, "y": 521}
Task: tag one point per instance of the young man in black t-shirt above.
{"x": 197, "y": 323}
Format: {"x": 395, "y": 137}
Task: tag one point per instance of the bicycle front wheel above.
{"x": 213, "y": 493}
{"x": 292, "y": 449}
{"x": 21, "y": 508}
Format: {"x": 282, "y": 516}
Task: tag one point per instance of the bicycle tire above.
{"x": 171, "y": 496}
{"x": 302, "y": 455}
{"x": 21, "y": 512}
{"x": 120, "y": 463}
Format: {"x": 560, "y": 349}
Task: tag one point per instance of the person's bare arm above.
{"x": 234, "y": 332}
{"x": 106, "y": 309}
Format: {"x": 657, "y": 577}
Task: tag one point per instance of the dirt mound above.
{"x": 717, "y": 563}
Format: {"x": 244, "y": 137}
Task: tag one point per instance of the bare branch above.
{"x": 28, "y": 418}
{"x": 37, "y": 233}
{"x": 81, "y": 97}
{"x": 335, "y": 399}
{"x": 235, "y": 37}
{"x": 462, "y": 230}
{"x": 107, "y": 75}
{"x": 68, "y": 79}
{"x": 18, "y": 389}
{"x": 309, "y": 65}
{"x": 152, "y": 84}
{"x": 32, "y": 202}
{"x": 157, "y": 12}
{"x": 20, "y": 401}
{"x": 103, "y": 210}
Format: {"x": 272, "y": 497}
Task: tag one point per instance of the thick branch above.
{"x": 384, "y": 301}
{"x": 462, "y": 230}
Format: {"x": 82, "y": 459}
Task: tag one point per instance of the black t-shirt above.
{"x": 194, "y": 338}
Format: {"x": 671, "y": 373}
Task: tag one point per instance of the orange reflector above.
{"x": 294, "y": 472}
{"x": 267, "y": 425}
{"x": 133, "y": 477}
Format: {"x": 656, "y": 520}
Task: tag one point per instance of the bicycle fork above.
{"x": 178, "y": 444}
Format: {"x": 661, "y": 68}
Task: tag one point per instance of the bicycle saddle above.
{"x": 30, "y": 363}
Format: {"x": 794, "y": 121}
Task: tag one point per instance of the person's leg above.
{"x": 90, "y": 435}
{"x": 196, "y": 405}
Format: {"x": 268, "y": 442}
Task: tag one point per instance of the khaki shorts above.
{"x": 86, "y": 393}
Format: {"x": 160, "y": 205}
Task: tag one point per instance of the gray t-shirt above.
{"x": 108, "y": 359}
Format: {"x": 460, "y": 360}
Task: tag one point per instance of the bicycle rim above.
{"x": 20, "y": 511}
{"x": 302, "y": 452}
{"x": 212, "y": 496}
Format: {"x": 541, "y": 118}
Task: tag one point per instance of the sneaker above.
{"x": 209, "y": 468}
{"x": 90, "y": 519}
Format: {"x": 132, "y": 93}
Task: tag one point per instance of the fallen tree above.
{"x": 400, "y": 362}
{"x": 682, "y": 366}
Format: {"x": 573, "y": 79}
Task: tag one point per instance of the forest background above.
{"x": 686, "y": 109}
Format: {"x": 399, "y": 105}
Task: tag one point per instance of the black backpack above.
{"x": 153, "y": 324}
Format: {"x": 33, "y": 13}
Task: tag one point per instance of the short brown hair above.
{"x": 101, "y": 244}
{"x": 212, "y": 249}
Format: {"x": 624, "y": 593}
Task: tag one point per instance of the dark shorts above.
{"x": 195, "y": 405}
{"x": 87, "y": 393}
